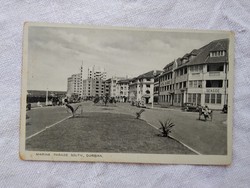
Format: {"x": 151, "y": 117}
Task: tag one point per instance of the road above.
{"x": 204, "y": 137}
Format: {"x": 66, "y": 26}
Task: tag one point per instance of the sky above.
{"x": 55, "y": 53}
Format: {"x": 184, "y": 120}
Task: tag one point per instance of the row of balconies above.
{"x": 195, "y": 90}
{"x": 212, "y": 75}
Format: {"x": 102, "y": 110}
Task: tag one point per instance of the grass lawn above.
{"x": 104, "y": 132}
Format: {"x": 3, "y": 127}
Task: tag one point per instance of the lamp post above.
{"x": 152, "y": 105}
{"x": 47, "y": 93}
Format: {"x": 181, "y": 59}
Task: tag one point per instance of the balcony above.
{"x": 214, "y": 73}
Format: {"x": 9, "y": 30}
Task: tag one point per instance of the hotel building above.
{"x": 199, "y": 77}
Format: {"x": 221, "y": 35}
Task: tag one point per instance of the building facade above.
{"x": 141, "y": 88}
{"x": 88, "y": 86}
{"x": 74, "y": 84}
{"x": 112, "y": 88}
{"x": 122, "y": 90}
{"x": 96, "y": 72}
{"x": 199, "y": 77}
{"x": 93, "y": 87}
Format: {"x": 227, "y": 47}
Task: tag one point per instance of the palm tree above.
{"x": 166, "y": 127}
{"x": 72, "y": 109}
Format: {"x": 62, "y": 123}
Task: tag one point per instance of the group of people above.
{"x": 206, "y": 112}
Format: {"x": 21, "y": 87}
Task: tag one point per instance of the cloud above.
{"x": 59, "y": 52}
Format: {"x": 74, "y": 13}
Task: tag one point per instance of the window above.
{"x": 181, "y": 71}
{"x": 194, "y": 98}
{"x": 196, "y": 68}
{"x": 179, "y": 98}
{"x": 190, "y": 83}
{"x": 191, "y": 69}
{"x": 185, "y": 70}
{"x": 195, "y": 84}
{"x": 207, "y": 98}
{"x": 213, "y": 98}
{"x": 147, "y": 85}
{"x": 217, "y": 54}
{"x": 198, "y": 98}
{"x": 218, "y": 101}
{"x": 200, "y": 68}
{"x": 148, "y": 79}
{"x": 189, "y": 97}
{"x": 199, "y": 84}
{"x": 184, "y": 84}
{"x": 214, "y": 83}
{"x": 180, "y": 85}
{"x": 215, "y": 67}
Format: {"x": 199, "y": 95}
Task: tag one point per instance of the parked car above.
{"x": 141, "y": 104}
{"x": 224, "y": 109}
{"x": 190, "y": 107}
{"x": 28, "y": 106}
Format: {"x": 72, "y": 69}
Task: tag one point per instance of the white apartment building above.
{"x": 122, "y": 90}
{"x": 141, "y": 88}
{"x": 199, "y": 77}
{"x": 96, "y": 72}
{"x": 74, "y": 84}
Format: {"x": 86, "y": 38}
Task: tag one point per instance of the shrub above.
{"x": 166, "y": 127}
{"x": 138, "y": 114}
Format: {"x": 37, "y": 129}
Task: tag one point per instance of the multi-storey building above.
{"x": 93, "y": 87}
{"x": 122, "y": 90}
{"x": 112, "y": 88}
{"x": 199, "y": 77}
{"x": 107, "y": 85}
{"x": 141, "y": 88}
{"x": 167, "y": 84}
{"x": 156, "y": 88}
{"x": 87, "y": 88}
{"x": 97, "y": 73}
{"x": 74, "y": 84}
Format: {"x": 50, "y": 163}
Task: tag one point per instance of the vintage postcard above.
{"x": 108, "y": 94}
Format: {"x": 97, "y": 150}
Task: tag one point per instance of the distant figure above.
{"x": 39, "y": 104}
{"x": 205, "y": 110}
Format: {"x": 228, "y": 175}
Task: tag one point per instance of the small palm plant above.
{"x": 166, "y": 127}
{"x": 138, "y": 114}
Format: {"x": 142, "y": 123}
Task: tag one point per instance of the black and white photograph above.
{"x": 131, "y": 95}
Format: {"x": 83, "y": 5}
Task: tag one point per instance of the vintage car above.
{"x": 141, "y": 104}
{"x": 190, "y": 107}
{"x": 28, "y": 106}
{"x": 224, "y": 109}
